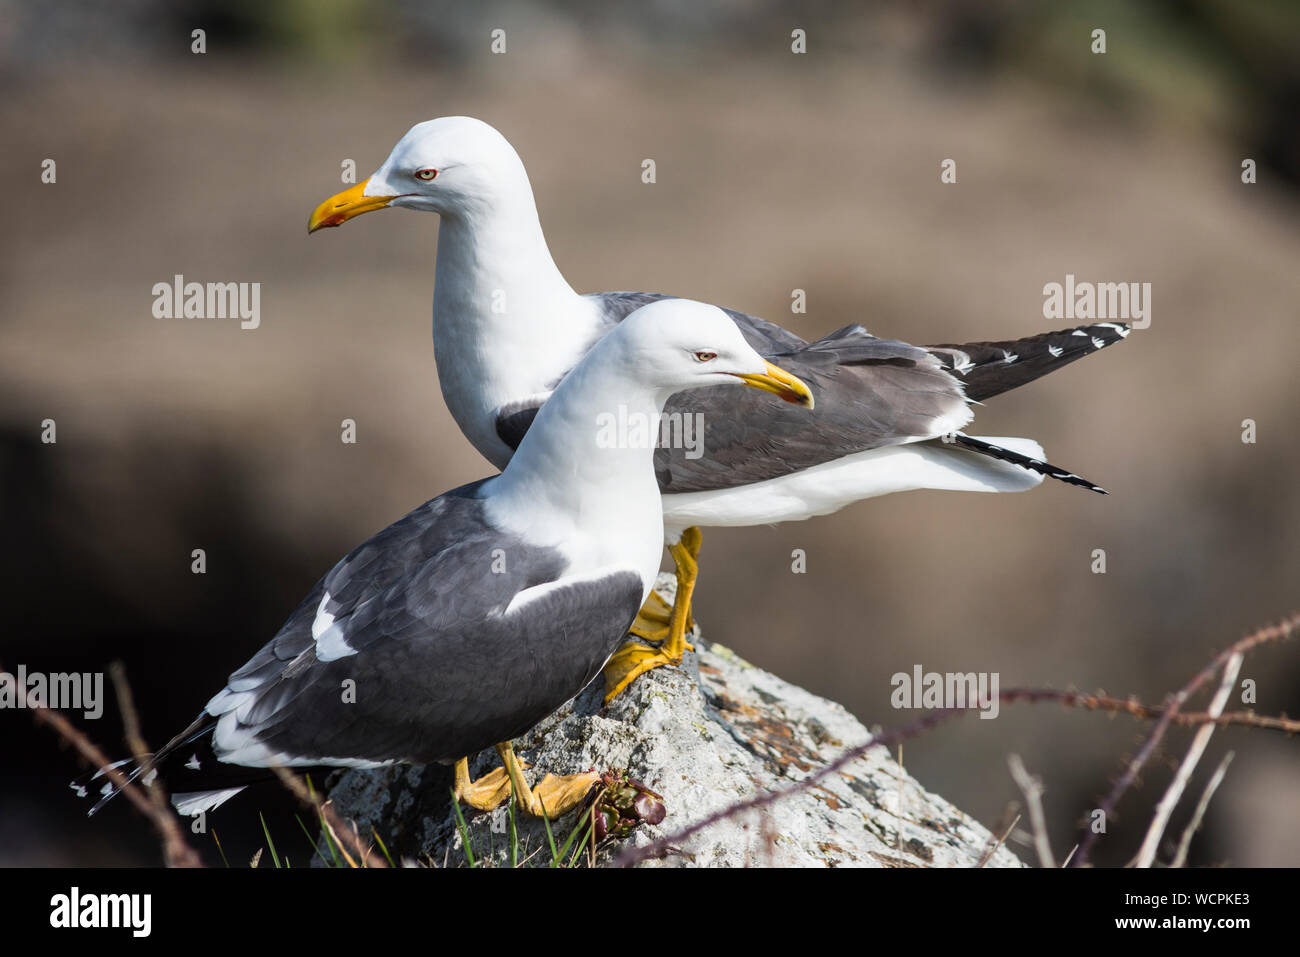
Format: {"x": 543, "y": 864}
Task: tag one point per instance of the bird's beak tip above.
{"x": 348, "y": 204}
{"x": 788, "y": 387}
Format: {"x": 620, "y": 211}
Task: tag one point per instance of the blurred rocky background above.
{"x": 776, "y": 171}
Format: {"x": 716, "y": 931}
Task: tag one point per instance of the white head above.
{"x": 589, "y": 452}
{"x": 449, "y": 165}
{"x": 677, "y": 344}
{"x": 603, "y": 419}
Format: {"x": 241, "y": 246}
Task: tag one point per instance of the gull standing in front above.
{"x": 466, "y": 622}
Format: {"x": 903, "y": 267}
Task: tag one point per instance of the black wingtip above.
{"x": 1046, "y": 469}
{"x": 987, "y": 369}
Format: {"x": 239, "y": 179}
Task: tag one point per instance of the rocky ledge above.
{"x": 704, "y": 736}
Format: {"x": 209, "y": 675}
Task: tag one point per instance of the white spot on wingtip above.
{"x": 1097, "y": 343}
{"x": 332, "y": 645}
{"x": 328, "y": 634}
{"x": 323, "y": 618}
{"x": 1055, "y": 351}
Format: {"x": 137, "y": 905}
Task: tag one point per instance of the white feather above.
{"x": 829, "y": 487}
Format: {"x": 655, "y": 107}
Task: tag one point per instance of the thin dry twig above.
{"x": 1194, "y": 825}
{"x": 898, "y": 804}
{"x": 1146, "y": 854}
{"x": 1262, "y": 636}
{"x": 995, "y": 843}
{"x": 334, "y": 824}
{"x": 176, "y": 850}
{"x": 1032, "y": 788}
{"x": 142, "y": 753}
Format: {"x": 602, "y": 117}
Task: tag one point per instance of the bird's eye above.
{"x": 705, "y": 356}
{"x": 426, "y": 174}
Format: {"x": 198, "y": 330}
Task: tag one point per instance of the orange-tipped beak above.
{"x": 337, "y": 210}
{"x": 778, "y": 381}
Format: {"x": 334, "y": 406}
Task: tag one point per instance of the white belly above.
{"x": 830, "y": 486}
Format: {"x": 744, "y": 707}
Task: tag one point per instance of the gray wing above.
{"x": 870, "y": 393}
{"x": 767, "y": 338}
{"x": 435, "y": 667}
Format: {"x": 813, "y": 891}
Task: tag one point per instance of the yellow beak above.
{"x": 782, "y": 383}
{"x": 337, "y": 210}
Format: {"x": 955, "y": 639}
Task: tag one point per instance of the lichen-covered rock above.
{"x": 704, "y": 736}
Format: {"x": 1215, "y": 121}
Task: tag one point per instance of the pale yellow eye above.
{"x": 705, "y": 356}
{"x": 426, "y": 174}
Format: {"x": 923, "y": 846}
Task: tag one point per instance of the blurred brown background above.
{"x": 775, "y": 171}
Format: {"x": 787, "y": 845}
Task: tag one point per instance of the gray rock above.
{"x": 705, "y": 736}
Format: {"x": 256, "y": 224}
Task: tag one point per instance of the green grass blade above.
{"x": 584, "y": 824}
{"x": 464, "y": 831}
{"x": 514, "y": 833}
{"x": 315, "y": 846}
{"x": 324, "y": 828}
{"x": 550, "y": 838}
{"x": 269, "y": 843}
{"x": 221, "y": 850}
{"x": 383, "y": 847}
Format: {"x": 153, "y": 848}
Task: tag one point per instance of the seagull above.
{"x": 508, "y": 328}
{"x": 476, "y": 615}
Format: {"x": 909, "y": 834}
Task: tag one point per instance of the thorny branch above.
{"x": 1131, "y": 706}
{"x": 1265, "y": 635}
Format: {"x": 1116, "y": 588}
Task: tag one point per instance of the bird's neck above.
{"x": 585, "y": 470}
{"x": 506, "y": 324}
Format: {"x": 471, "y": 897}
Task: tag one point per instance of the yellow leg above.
{"x": 488, "y": 792}
{"x": 554, "y": 796}
{"x": 654, "y": 620}
{"x": 634, "y": 658}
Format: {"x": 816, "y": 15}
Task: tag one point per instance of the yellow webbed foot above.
{"x": 561, "y": 794}
{"x": 555, "y": 796}
{"x": 631, "y": 661}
